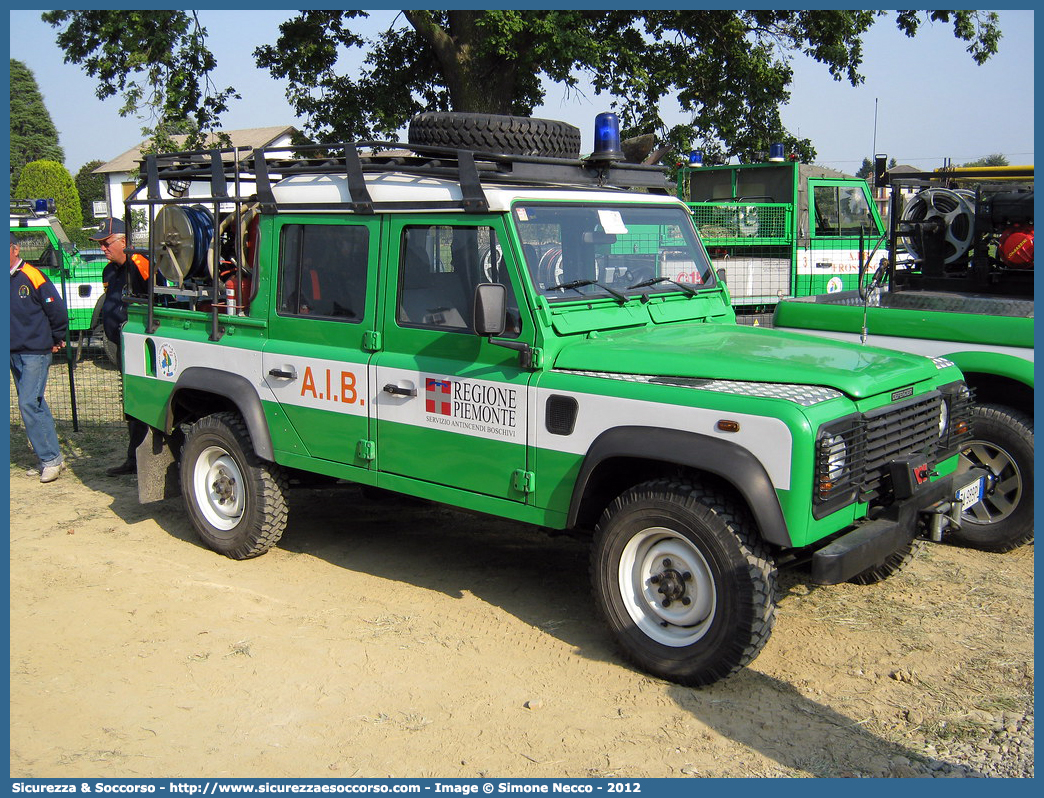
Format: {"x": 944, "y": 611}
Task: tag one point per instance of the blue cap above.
{"x": 110, "y": 227}
{"x": 13, "y": 239}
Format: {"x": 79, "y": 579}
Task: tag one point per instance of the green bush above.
{"x": 51, "y": 180}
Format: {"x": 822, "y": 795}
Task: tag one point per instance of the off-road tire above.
{"x": 236, "y": 500}
{"x": 512, "y": 135}
{"x": 892, "y": 564}
{"x": 112, "y": 350}
{"x": 1002, "y": 440}
{"x": 648, "y": 540}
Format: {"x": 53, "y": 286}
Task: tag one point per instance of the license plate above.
{"x": 971, "y": 495}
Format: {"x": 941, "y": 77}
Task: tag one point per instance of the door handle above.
{"x": 395, "y": 390}
{"x": 283, "y": 375}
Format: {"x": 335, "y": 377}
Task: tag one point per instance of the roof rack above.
{"x": 353, "y": 160}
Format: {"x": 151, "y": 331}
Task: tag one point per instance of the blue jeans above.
{"x": 30, "y": 376}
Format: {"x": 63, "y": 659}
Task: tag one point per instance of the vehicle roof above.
{"x": 417, "y": 190}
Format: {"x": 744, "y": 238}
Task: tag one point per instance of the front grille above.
{"x": 909, "y": 428}
{"x": 874, "y": 439}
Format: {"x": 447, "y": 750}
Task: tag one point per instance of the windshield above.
{"x": 619, "y": 251}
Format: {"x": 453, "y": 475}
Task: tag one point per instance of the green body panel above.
{"x": 734, "y": 352}
{"x": 147, "y": 399}
{"x": 906, "y": 323}
{"x": 433, "y": 456}
{"x": 1007, "y": 366}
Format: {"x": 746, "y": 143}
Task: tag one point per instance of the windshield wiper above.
{"x": 576, "y": 285}
{"x": 688, "y": 288}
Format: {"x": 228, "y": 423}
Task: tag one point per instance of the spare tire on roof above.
{"x": 511, "y": 135}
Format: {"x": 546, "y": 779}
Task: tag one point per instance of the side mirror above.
{"x": 490, "y": 310}
{"x": 490, "y": 320}
{"x": 721, "y": 277}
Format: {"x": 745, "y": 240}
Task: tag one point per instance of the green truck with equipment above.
{"x": 955, "y": 280}
{"x": 529, "y": 337}
{"x": 781, "y": 228}
{"x": 44, "y": 243}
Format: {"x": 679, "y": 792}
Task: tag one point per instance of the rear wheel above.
{"x": 236, "y": 500}
{"x": 1003, "y": 445}
{"x": 685, "y": 585}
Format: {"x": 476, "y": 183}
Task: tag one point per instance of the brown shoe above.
{"x": 126, "y": 467}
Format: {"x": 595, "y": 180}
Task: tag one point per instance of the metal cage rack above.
{"x": 230, "y": 171}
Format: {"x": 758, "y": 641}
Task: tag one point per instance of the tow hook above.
{"x": 943, "y": 516}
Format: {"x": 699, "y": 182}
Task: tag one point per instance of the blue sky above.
{"x": 932, "y": 101}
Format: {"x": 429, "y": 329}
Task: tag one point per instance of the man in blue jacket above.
{"x": 39, "y": 320}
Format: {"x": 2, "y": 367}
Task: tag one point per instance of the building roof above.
{"x": 250, "y": 137}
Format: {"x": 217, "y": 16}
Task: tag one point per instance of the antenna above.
{"x": 875, "y": 126}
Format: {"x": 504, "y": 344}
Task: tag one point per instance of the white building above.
{"x": 121, "y": 173}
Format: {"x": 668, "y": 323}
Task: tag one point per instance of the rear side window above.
{"x": 323, "y": 271}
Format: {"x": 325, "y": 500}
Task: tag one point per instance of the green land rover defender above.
{"x": 540, "y": 338}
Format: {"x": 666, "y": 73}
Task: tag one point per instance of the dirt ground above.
{"x": 381, "y": 640}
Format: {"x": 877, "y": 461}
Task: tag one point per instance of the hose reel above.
{"x": 941, "y": 212}
{"x": 183, "y": 242}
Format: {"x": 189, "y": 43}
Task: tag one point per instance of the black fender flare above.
{"x": 236, "y": 389}
{"x": 722, "y": 458}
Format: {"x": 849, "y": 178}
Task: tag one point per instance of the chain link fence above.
{"x": 84, "y": 388}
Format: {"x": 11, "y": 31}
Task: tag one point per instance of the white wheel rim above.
{"x": 218, "y": 487}
{"x": 667, "y": 587}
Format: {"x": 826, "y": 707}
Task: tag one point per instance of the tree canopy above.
{"x": 157, "y": 61}
{"x": 91, "y": 187}
{"x": 51, "y": 180}
{"x": 729, "y": 71}
{"x": 996, "y": 159}
{"x": 33, "y": 134}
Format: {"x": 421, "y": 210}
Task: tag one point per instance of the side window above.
{"x": 322, "y": 271}
{"x": 841, "y": 210}
{"x": 439, "y": 268}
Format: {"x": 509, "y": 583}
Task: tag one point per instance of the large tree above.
{"x": 729, "y": 71}
{"x": 157, "y": 61}
{"x": 33, "y": 134}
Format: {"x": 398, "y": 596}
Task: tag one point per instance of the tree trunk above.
{"x": 476, "y": 84}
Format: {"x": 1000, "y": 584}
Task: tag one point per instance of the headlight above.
{"x": 835, "y": 455}
{"x": 838, "y": 464}
{"x": 944, "y": 417}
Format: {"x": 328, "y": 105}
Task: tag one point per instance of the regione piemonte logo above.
{"x": 438, "y": 396}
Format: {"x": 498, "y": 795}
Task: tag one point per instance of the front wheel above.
{"x": 1003, "y": 445}
{"x": 236, "y": 500}
{"x": 685, "y": 585}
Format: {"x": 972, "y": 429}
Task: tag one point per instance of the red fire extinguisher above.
{"x": 235, "y": 305}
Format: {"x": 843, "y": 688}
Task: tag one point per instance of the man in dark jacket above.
{"x": 125, "y": 270}
{"x": 39, "y": 321}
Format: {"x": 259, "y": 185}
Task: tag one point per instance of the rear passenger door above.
{"x": 321, "y": 332}
{"x": 451, "y": 408}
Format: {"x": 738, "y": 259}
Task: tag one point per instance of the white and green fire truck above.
{"x": 522, "y": 335}
{"x": 780, "y": 228}
{"x": 956, "y": 281}
{"x": 44, "y": 243}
